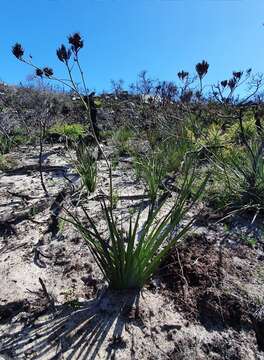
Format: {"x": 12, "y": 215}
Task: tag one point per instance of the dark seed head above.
{"x": 224, "y": 83}
{"x": 182, "y": 75}
{"x": 63, "y": 53}
{"x": 18, "y": 51}
{"x": 76, "y": 42}
{"x": 232, "y": 83}
{"x": 237, "y": 74}
{"x": 202, "y": 68}
{"x": 47, "y": 71}
{"x": 39, "y": 72}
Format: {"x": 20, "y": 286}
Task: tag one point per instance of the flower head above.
{"x": 63, "y": 53}
{"x": 76, "y": 42}
{"x": 202, "y": 68}
{"x": 39, "y": 72}
{"x": 237, "y": 74}
{"x": 224, "y": 83}
{"x": 18, "y": 51}
{"x": 47, "y": 71}
{"x": 182, "y": 75}
{"x": 232, "y": 83}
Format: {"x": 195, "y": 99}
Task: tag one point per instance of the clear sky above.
{"x": 123, "y": 37}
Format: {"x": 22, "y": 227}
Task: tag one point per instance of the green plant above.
{"x": 121, "y": 138}
{"x": 6, "y": 162}
{"x": 33, "y": 211}
{"x": 70, "y": 299}
{"x": 6, "y": 144}
{"x": 151, "y": 169}
{"x": 233, "y": 133}
{"x": 61, "y": 224}
{"x": 98, "y": 103}
{"x": 212, "y": 138}
{"x": 153, "y": 137}
{"x": 70, "y": 131}
{"x": 174, "y": 152}
{"x": 18, "y": 137}
{"x": 239, "y": 177}
{"x": 260, "y": 273}
{"x": 249, "y": 240}
{"x": 115, "y": 198}
{"x": 128, "y": 261}
{"x": 86, "y": 166}
{"x": 115, "y": 160}
{"x": 226, "y": 228}
{"x": 106, "y": 134}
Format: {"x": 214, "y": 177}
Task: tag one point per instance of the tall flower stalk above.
{"x": 69, "y": 57}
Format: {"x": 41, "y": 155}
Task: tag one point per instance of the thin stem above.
{"x": 42, "y": 129}
{"x": 88, "y": 111}
{"x": 82, "y": 75}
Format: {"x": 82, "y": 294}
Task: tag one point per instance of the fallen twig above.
{"x": 35, "y": 167}
{"x": 47, "y": 295}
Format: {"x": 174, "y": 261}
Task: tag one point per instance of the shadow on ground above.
{"x": 74, "y": 334}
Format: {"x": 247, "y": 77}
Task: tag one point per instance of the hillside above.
{"x": 205, "y": 301}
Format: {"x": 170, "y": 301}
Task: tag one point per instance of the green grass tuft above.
{"x": 129, "y": 260}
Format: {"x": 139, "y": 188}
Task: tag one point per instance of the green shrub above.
{"x": 115, "y": 198}
{"x": 98, "y": 103}
{"x": 239, "y": 177}
{"x": 21, "y": 139}
{"x": 121, "y": 138}
{"x": 173, "y": 153}
{"x": 151, "y": 169}
{"x": 3, "y": 163}
{"x": 17, "y": 137}
{"x": 156, "y": 164}
{"x": 213, "y": 138}
{"x": 129, "y": 260}
{"x": 86, "y": 166}
{"x": 153, "y": 137}
{"x": 6, "y": 162}
{"x": 6, "y": 144}
{"x": 233, "y": 133}
{"x": 105, "y": 134}
{"x": 70, "y": 131}
{"x": 114, "y": 160}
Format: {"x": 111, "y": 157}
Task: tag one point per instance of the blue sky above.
{"x": 123, "y": 37}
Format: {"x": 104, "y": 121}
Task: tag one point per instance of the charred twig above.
{"x": 42, "y": 132}
{"x": 183, "y": 276}
{"x": 55, "y": 209}
{"x": 26, "y": 169}
{"x": 22, "y": 196}
{"x": 47, "y": 295}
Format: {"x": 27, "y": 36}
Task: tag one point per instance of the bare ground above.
{"x": 206, "y": 302}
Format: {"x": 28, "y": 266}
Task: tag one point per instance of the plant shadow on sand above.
{"x": 76, "y": 334}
